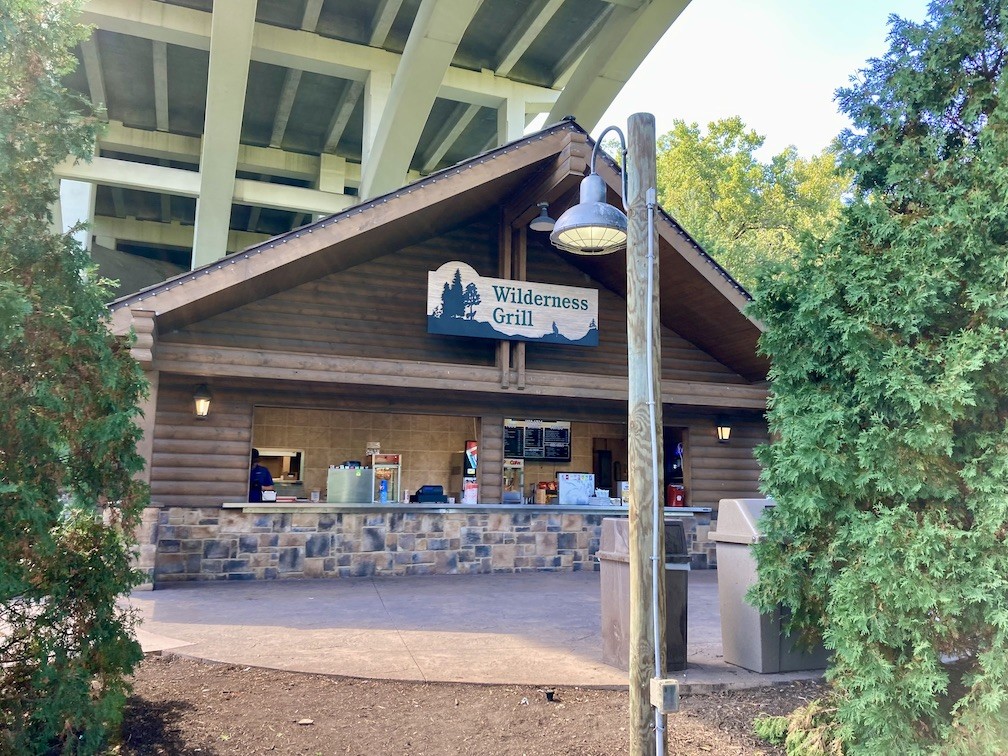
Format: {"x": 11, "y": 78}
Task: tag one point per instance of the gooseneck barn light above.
{"x": 542, "y": 222}
{"x": 593, "y": 226}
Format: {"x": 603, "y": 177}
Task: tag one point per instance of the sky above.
{"x": 775, "y": 63}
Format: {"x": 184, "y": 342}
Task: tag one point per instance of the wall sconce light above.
{"x": 723, "y": 431}
{"x": 202, "y": 399}
{"x": 542, "y": 222}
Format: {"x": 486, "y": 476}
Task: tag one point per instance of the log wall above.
{"x": 680, "y": 359}
{"x": 376, "y": 310}
{"x": 373, "y": 310}
{"x": 299, "y": 349}
{"x": 200, "y": 461}
{"x": 205, "y": 462}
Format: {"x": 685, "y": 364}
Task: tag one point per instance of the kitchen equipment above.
{"x": 386, "y": 472}
{"x": 514, "y": 477}
{"x": 349, "y": 485}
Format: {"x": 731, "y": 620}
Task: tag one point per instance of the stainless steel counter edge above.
{"x": 287, "y": 506}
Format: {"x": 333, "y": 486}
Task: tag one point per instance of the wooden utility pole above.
{"x": 641, "y": 176}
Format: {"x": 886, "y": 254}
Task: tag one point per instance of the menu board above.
{"x": 545, "y": 440}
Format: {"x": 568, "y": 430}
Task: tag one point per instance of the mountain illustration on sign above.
{"x": 456, "y": 315}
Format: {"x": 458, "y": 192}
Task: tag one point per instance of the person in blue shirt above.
{"x": 259, "y": 479}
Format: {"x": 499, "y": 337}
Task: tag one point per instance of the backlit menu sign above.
{"x": 545, "y": 440}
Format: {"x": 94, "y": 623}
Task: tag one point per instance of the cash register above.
{"x": 429, "y": 495}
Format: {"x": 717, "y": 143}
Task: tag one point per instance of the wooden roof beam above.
{"x": 193, "y": 359}
{"x": 567, "y": 171}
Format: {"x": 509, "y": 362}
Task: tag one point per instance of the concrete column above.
{"x": 231, "y": 31}
{"x": 77, "y": 204}
{"x": 510, "y": 120}
{"x": 376, "y": 94}
{"x": 332, "y": 173}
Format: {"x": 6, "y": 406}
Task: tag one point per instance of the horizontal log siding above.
{"x": 373, "y": 310}
{"x": 200, "y": 462}
{"x": 377, "y": 310}
{"x": 491, "y": 457}
{"x": 723, "y": 471}
{"x": 205, "y": 462}
{"x": 681, "y": 360}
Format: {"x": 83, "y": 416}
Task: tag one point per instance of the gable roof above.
{"x": 699, "y": 299}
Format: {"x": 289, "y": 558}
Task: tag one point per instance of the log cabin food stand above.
{"x": 432, "y": 331}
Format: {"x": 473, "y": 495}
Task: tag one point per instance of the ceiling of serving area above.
{"x": 344, "y": 100}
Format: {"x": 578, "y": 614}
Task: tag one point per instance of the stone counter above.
{"x": 294, "y": 541}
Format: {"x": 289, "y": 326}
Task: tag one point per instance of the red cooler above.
{"x": 675, "y": 496}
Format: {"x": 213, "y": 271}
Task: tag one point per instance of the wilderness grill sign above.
{"x": 461, "y": 303}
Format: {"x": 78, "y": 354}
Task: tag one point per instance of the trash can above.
{"x": 751, "y": 640}
{"x": 677, "y": 570}
{"x": 614, "y": 562}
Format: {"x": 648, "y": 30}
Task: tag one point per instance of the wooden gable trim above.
{"x": 567, "y": 173}
{"x": 144, "y": 327}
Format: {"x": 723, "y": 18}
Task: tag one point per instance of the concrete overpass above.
{"x": 233, "y": 120}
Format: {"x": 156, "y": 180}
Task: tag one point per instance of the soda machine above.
{"x": 463, "y": 474}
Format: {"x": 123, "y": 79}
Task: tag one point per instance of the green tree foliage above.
{"x": 743, "y": 211}
{"x": 68, "y": 403}
{"x": 889, "y": 402}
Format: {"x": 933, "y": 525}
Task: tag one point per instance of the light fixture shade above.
{"x": 542, "y": 222}
{"x": 202, "y": 399}
{"x": 593, "y": 226}
{"x": 723, "y": 431}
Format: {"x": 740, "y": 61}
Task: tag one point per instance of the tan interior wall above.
{"x": 427, "y": 443}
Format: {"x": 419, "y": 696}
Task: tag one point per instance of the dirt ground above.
{"x": 186, "y": 707}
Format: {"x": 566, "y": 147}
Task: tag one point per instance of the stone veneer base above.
{"x": 231, "y": 544}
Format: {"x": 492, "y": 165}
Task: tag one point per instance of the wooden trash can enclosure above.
{"x": 614, "y": 561}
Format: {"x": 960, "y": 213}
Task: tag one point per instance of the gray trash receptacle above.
{"x": 751, "y": 640}
{"x": 614, "y": 561}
